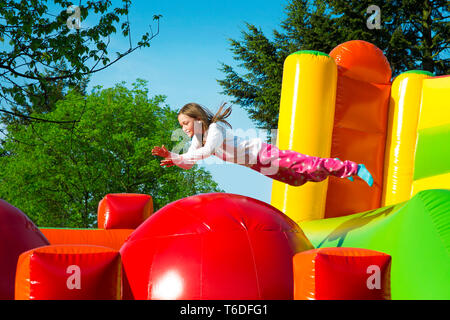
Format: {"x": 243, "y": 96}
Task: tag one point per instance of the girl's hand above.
{"x": 167, "y": 163}
{"x": 160, "y": 151}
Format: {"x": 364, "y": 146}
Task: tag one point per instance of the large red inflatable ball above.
{"x": 213, "y": 246}
{"x": 17, "y": 234}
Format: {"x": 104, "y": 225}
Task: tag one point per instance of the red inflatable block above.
{"x": 69, "y": 272}
{"x": 342, "y": 274}
{"x": 213, "y": 246}
{"x": 124, "y": 210}
{"x": 17, "y": 234}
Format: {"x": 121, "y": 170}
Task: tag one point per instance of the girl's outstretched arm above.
{"x": 213, "y": 141}
{"x": 163, "y": 152}
{"x": 167, "y": 163}
{"x": 160, "y": 151}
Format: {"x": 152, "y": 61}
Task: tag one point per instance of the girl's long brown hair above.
{"x": 198, "y": 112}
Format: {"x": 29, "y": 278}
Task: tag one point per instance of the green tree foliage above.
{"x": 58, "y": 173}
{"x": 412, "y": 34}
{"x": 39, "y": 50}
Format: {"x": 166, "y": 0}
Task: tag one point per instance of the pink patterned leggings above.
{"x": 296, "y": 169}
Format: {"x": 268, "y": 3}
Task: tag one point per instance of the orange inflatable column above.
{"x": 341, "y": 274}
{"x": 360, "y": 125}
{"x": 69, "y": 272}
{"x": 124, "y": 210}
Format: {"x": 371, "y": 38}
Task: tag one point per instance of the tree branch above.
{"x": 35, "y": 118}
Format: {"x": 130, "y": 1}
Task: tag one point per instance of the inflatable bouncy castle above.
{"x": 335, "y": 239}
{"x": 345, "y": 105}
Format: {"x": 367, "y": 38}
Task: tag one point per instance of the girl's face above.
{"x": 189, "y": 125}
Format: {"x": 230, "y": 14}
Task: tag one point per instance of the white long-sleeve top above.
{"x": 222, "y": 143}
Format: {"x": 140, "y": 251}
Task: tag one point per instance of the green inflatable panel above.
{"x": 416, "y": 234}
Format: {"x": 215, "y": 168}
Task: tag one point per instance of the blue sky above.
{"x": 182, "y": 63}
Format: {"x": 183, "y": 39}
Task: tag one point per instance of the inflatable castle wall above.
{"x": 344, "y": 105}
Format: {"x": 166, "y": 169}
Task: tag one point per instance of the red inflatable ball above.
{"x": 213, "y": 246}
{"x": 17, "y": 235}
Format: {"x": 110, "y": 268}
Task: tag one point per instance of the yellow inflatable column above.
{"x": 404, "y": 109}
{"x": 432, "y": 154}
{"x": 305, "y": 125}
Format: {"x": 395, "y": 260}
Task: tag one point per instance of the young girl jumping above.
{"x": 211, "y": 138}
